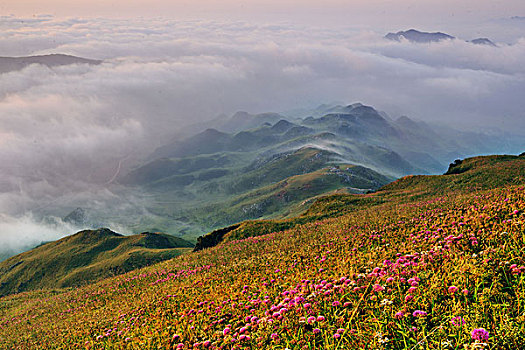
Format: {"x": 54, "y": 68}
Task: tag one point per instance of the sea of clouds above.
{"x": 67, "y": 132}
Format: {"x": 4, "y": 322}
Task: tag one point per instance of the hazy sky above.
{"x": 341, "y": 11}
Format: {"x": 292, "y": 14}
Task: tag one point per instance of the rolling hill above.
{"x": 469, "y": 175}
{"x": 196, "y": 194}
{"x": 433, "y": 259}
{"x": 219, "y": 176}
{"x": 85, "y": 257}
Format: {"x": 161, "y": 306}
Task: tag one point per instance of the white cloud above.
{"x": 18, "y": 234}
{"x": 63, "y": 129}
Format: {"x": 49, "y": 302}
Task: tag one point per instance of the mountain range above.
{"x": 274, "y": 166}
{"x": 417, "y": 36}
{"x": 268, "y": 165}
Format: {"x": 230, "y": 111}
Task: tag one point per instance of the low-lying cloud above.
{"x": 25, "y": 232}
{"x": 66, "y": 132}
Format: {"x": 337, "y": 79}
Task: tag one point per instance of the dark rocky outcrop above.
{"x": 213, "y": 238}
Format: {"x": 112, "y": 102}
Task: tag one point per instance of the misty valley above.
{"x": 272, "y": 166}
{"x": 151, "y": 197}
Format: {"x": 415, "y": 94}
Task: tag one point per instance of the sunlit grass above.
{"x": 438, "y": 273}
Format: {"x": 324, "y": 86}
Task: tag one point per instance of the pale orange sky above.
{"x": 336, "y": 10}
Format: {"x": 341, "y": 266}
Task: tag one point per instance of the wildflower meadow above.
{"x": 440, "y": 271}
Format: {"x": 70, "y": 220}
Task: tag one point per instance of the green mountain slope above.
{"x": 469, "y": 175}
{"x": 191, "y": 185}
{"x": 267, "y": 187}
{"x": 432, "y": 261}
{"x": 291, "y": 196}
{"x": 85, "y": 257}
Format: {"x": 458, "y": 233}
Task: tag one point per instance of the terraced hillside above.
{"x": 428, "y": 262}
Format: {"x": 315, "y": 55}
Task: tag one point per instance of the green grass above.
{"x": 282, "y": 186}
{"x": 479, "y": 173}
{"x": 288, "y": 197}
{"x": 85, "y": 257}
{"x": 418, "y": 265}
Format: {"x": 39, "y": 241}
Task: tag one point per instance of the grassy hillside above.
{"x": 277, "y": 186}
{"x": 470, "y": 175}
{"x": 190, "y": 185}
{"x": 85, "y": 257}
{"x": 289, "y": 197}
{"x": 420, "y": 267}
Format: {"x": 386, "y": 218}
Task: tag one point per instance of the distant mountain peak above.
{"x": 282, "y": 126}
{"x": 212, "y": 131}
{"x": 416, "y": 36}
{"x": 9, "y": 64}
{"x": 362, "y": 108}
{"x": 77, "y": 217}
{"x": 483, "y": 41}
{"x": 241, "y": 114}
{"x": 404, "y": 119}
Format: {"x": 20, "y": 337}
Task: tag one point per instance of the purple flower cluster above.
{"x": 480, "y": 334}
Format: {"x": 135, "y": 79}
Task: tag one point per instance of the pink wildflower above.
{"x": 452, "y": 289}
{"x": 419, "y": 313}
{"x": 457, "y": 321}
{"x": 378, "y": 288}
{"x": 399, "y": 315}
{"x": 480, "y": 334}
